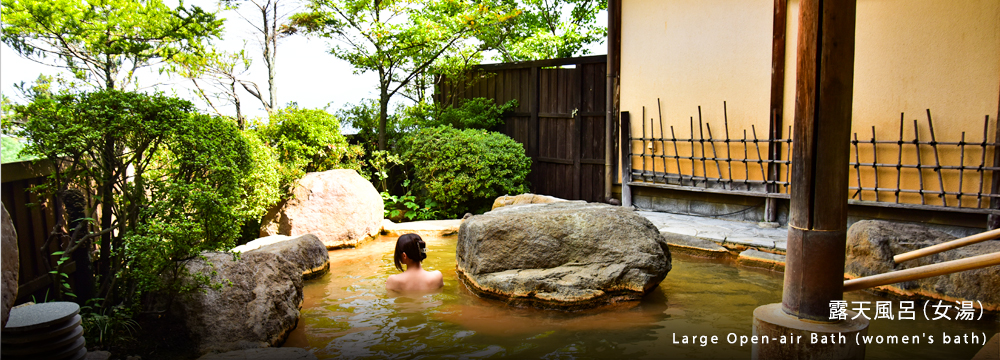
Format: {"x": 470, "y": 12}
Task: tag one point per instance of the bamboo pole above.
{"x": 945, "y": 246}
{"x": 922, "y": 272}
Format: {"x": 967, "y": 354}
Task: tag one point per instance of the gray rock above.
{"x": 338, "y": 206}
{"x": 561, "y": 255}
{"x": 306, "y": 252}
{"x": 284, "y": 353}
{"x": 8, "y": 262}
{"x": 871, "y": 244}
{"x": 259, "y": 309}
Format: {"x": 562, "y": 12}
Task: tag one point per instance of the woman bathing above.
{"x": 410, "y": 251}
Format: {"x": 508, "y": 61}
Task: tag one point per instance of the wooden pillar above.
{"x": 823, "y": 99}
{"x": 614, "y": 55}
{"x": 626, "y": 171}
{"x": 777, "y": 105}
{"x": 993, "y": 220}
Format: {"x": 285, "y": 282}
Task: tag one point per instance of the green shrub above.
{"x": 464, "y": 170}
{"x": 308, "y": 140}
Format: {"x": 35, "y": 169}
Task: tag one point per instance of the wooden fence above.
{"x": 560, "y": 118}
{"x": 33, "y": 218}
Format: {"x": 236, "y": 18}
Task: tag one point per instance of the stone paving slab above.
{"x": 763, "y": 260}
{"x": 690, "y": 245}
{"x": 734, "y": 235}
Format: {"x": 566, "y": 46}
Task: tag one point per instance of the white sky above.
{"x": 306, "y": 72}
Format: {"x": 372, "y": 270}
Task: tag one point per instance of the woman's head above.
{"x": 411, "y": 245}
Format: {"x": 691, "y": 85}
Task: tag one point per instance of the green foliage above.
{"x": 308, "y": 140}
{"x": 104, "y": 328}
{"x": 105, "y": 41}
{"x": 396, "y": 39}
{"x": 547, "y": 29}
{"x": 476, "y": 113}
{"x": 398, "y": 208}
{"x": 364, "y": 117}
{"x": 463, "y": 170}
{"x": 192, "y": 180}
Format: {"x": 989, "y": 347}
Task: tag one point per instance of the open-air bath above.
{"x": 348, "y": 314}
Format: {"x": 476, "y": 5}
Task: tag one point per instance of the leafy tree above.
{"x": 104, "y": 42}
{"x": 308, "y": 140}
{"x": 547, "y": 29}
{"x": 172, "y": 183}
{"x": 396, "y": 39}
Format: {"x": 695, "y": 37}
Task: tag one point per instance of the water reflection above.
{"x": 349, "y": 314}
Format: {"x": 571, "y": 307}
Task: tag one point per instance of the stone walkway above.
{"x": 735, "y": 235}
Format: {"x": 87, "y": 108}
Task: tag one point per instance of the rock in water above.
{"x": 338, "y": 206}
{"x": 9, "y": 263}
{"x": 563, "y": 255}
{"x": 259, "y": 309}
{"x": 306, "y": 252}
{"x": 871, "y": 244}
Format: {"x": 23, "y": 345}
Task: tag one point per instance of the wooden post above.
{"x": 533, "y": 108}
{"x": 626, "y": 171}
{"x": 777, "y": 105}
{"x": 817, "y": 231}
{"x": 577, "y": 129}
{"x": 993, "y": 220}
{"x": 614, "y": 52}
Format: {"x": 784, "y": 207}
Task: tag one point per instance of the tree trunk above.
{"x": 383, "y": 112}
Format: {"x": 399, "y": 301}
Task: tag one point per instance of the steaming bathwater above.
{"x": 348, "y": 314}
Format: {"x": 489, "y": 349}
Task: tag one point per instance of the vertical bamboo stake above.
{"x": 982, "y": 163}
{"x": 715, "y": 155}
{"x": 760, "y": 159}
{"x": 788, "y": 167}
{"x": 961, "y": 169}
{"x": 875, "y": 162}
{"x": 677, "y": 157}
{"x": 663, "y": 144}
{"x": 937, "y": 160}
{"x": 899, "y": 163}
{"x": 857, "y": 167}
{"x": 691, "y": 141}
{"x": 920, "y": 164}
{"x": 701, "y": 139}
{"x": 729, "y": 155}
{"x": 652, "y": 151}
{"x": 643, "y": 156}
{"x": 746, "y": 168}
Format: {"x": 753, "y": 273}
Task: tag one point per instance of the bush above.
{"x": 464, "y": 170}
{"x": 308, "y": 140}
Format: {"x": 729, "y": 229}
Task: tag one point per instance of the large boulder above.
{"x": 258, "y": 305}
{"x": 8, "y": 252}
{"x": 338, "y": 206}
{"x": 562, "y": 255}
{"x": 871, "y": 244}
{"x": 306, "y": 252}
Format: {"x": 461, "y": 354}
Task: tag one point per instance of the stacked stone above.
{"x": 44, "y": 331}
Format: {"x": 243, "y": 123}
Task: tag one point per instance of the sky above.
{"x": 306, "y": 72}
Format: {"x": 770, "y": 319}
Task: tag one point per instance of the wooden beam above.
{"x": 626, "y": 149}
{"x": 777, "y": 103}
{"x": 922, "y": 272}
{"x": 614, "y": 54}
{"x": 593, "y": 59}
{"x": 945, "y": 246}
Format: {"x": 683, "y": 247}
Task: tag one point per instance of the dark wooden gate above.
{"x": 559, "y": 118}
